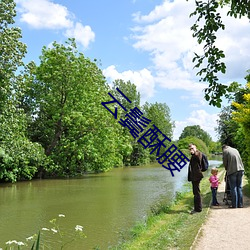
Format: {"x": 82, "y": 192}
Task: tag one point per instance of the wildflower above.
{"x": 45, "y": 229}
{"x": 10, "y": 242}
{"x": 29, "y": 238}
{"x": 78, "y": 228}
{"x": 61, "y": 215}
{"x": 20, "y": 243}
{"x": 54, "y": 230}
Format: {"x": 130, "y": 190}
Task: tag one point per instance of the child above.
{"x": 214, "y": 185}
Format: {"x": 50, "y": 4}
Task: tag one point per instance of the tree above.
{"x": 208, "y": 23}
{"x": 230, "y": 130}
{"x": 67, "y": 118}
{"x": 227, "y": 127}
{"x": 20, "y": 158}
{"x": 184, "y": 142}
{"x": 138, "y": 155}
{"x": 159, "y": 114}
{"x": 196, "y": 131}
{"x": 215, "y": 147}
{"x": 241, "y": 116}
{"x": 12, "y": 50}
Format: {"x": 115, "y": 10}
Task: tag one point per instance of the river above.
{"x": 104, "y": 204}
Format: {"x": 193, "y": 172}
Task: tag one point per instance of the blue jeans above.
{"x": 214, "y": 196}
{"x": 235, "y": 182}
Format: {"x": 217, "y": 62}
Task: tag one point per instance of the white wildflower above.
{"x": 78, "y": 228}
{"x": 20, "y": 243}
{"x": 29, "y": 238}
{"x": 61, "y": 215}
{"x": 10, "y": 242}
{"x": 54, "y": 230}
{"x": 45, "y": 229}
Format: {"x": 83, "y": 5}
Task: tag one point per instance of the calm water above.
{"x": 104, "y": 204}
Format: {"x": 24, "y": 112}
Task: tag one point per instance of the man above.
{"x": 195, "y": 175}
{"x": 235, "y": 170}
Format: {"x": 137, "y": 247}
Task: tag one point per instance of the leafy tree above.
{"x": 207, "y": 24}
{"x": 12, "y": 50}
{"x": 184, "y": 142}
{"x": 159, "y": 114}
{"x": 227, "y": 127}
{"x": 138, "y": 155}
{"x": 67, "y": 118}
{"x": 215, "y": 147}
{"x": 241, "y": 115}
{"x": 19, "y": 157}
{"x": 198, "y": 132}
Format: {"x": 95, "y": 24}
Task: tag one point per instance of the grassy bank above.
{"x": 170, "y": 227}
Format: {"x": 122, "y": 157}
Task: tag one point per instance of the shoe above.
{"x": 217, "y": 204}
{"x": 194, "y": 212}
{"x": 231, "y": 206}
{"x": 240, "y": 206}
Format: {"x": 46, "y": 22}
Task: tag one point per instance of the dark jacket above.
{"x": 194, "y": 168}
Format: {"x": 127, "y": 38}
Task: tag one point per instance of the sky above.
{"x": 147, "y": 42}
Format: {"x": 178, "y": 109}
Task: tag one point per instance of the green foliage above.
{"x": 51, "y": 118}
{"x": 20, "y": 158}
{"x": 12, "y": 50}
{"x": 242, "y": 117}
{"x": 137, "y": 156}
{"x": 66, "y": 116}
{"x": 201, "y": 146}
{"x": 205, "y": 28}
{"x": 233, "y": 123}
{"x": 196, "y": 131}
{"x": 215, "y": 147}
{"x": 227, "y": 127}
{"x": 159, "y": 114}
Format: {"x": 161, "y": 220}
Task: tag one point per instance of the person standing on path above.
{"x": 214, "y": 186}
{"x": 235, "y": 169}
{"x": 195, "y": 175}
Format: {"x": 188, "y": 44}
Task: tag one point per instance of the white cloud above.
{"x": 234, "y": 41}
{"x": 208, "y": 122}
{"x": 83, "y": 34}
{"x": 143, "y": 80}
{"x": 165, "y": 33}
{"x": 44, "y": 14}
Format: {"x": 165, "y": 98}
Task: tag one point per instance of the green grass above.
{"x": 170, "y": 226}
{"x": 246, "y": 188}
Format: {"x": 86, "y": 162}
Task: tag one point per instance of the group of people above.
{"x": 234, "y": 167}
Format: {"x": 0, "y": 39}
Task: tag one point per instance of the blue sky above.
{"x": 148, "y": 42}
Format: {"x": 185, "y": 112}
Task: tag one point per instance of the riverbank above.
{"x": 171, "y": 227}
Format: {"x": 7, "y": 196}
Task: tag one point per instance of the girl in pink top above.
{"x": 214, "y": 185}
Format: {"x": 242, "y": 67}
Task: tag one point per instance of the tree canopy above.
{"x": 184, "y": 142}
{"x": 19, "y": 158}
{"x": 196, "y": 131}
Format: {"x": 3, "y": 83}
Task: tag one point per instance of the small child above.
{"x": 214, "y": 185}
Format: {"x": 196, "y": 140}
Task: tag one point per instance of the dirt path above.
{"x": 225, "y": 228}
